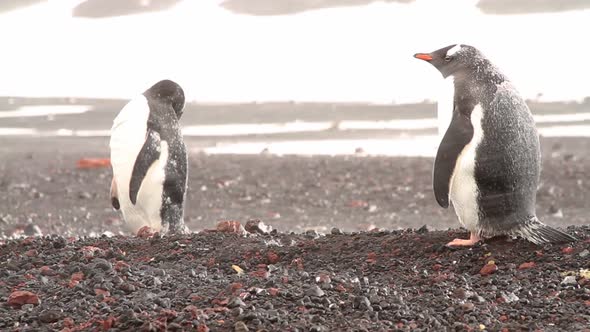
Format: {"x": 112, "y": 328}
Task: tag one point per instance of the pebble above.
{"x": 240, "y": 327}
{"x": 569, "y": 280}
{"x": 584, "y": 253}
{"x": 315, "y": 291}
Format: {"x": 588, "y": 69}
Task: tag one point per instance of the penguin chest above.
{"x": 463, "y": 189}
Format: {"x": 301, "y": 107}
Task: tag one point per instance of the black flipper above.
{"x": 458, "y": 135}
{"x": 149, "y": 153}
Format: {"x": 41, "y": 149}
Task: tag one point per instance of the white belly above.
{"x": 127, "y": 138}
{"x": 463, "y": 188}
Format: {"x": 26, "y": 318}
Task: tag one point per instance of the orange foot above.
{"x": 473, "y": 239}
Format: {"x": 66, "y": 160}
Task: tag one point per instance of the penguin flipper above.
{"x": 149, "y": 153}
{"x": 538, "y": 233}
{"x": 458, "y": 135}
{"x": 115, "y": 195}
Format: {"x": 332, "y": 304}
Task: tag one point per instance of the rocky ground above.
{"x": 226, "y": 281}
{"x": 376, "y": 276}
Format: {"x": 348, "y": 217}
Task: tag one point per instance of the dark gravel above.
{"x": 368, "y": 281}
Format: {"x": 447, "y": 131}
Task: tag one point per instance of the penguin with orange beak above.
{"x": 489, "y": 161}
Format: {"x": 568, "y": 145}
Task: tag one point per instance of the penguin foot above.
{"x": 473, "y": 239}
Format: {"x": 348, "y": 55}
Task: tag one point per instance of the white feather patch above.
{"x": 463, "y": 188}
{"x": 454, "y": 50}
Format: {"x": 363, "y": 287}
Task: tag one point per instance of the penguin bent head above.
{"x": 168, "y": 92}
{"x": 452, "y": 59}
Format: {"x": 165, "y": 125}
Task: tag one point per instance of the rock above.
{"x": 423, "y": 230}
{"x": 509, "y": 297}
{"x": 526, "y": 265}
{"x": 569, "y": 280}
{"x": 240, "y": 327}
{"x": 231, "y": 226}
{"x": 488, "y": 269}
{"x": 236, "y": 302}
{"x": 257, "y": 226}
{"x": 315, "y": 291}
{"x": 19, "y": 298}
{"x": 362, "y": 303}
{"x": 336, "y": 231}
{"x": 467, "y": 306}
{"x": 146, "y": 232}
{"x": 584, "y": 253}
{"x": 50, "y": 316}
{"x": 33, "y": 230}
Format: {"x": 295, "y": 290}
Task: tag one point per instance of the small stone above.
{"x": 315, "y": 291}
{"x": 509, "y": 297}
{"x": 423, "y": 230}
{"x": 569, "y": 280}
{"x": 526, "y": 265}
{"x": 231, "y": 226}
{"x": 240, "y": 327}
{"x": 257, "y": 226}
{"x": 336, "y": 231}
{"x": 33, "y": 230}
{"x": 488, "y": 269}
{"x": 361, "y": 302}
{"x": 584, "y": 253}
{"x": 50, "y": 316}
{"x": 84, "y": 195}
{"x": 236, "y": 302}
{"x": 19, "y": 298}
{"x": 468, "y": 306}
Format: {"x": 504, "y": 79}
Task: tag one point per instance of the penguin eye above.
{"x": 447, "y": 58}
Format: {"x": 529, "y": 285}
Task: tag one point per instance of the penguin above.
{"x": 149, "y": 160}
{"x": 488, "y": 163}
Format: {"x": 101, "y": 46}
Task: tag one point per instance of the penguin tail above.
{"x": 538, "y": 233}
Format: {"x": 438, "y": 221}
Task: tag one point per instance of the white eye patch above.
{"x": 454, "y": 50}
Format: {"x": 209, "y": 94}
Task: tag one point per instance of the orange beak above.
{"x": 423, "y": 56}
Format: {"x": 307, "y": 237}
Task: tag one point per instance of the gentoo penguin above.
{"x": 489, "y": 161}
{"x": 149, "y": 160}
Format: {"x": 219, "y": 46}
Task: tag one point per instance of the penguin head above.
{"x": 168, "y": 92}
{"x": 453, "y": 59}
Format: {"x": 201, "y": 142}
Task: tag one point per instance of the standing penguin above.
{"x": 149, "y": 160}
{"x": 489, "y": 161}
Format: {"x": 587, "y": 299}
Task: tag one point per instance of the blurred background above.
{"x": 279, "y": 77}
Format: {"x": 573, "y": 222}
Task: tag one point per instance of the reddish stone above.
{"x": 285, "y": 279}
{"x": 193, "y": 310}
{"x": 99, "y": 291}
{"x": 119, "y": 265}
{"x": 18, "y": 298}
{"x": 437, "y": 267}
{"x": 503, "y": 318}
{"x": 371, "y": 258}
{"x": 75, "y": 279}
{"x": 202, "y": 328}
{"x": 358, "y": 203}
{"x": 272, "y": 257}
{"x": 90, "y": 251}
{"x": 235, "y": 287}
{"x": 146, "y": 232}
{"x": 260, "y": 274}
{"x": 230, "y": 226}
{"x": 46, "y": 271}
{"x": 108, "y": 323}
{"x": 169, "y": 314}
{"x": 297, "y": 262}
{"x": 68, "y": 322}
{"x": 273, "y": 291}
{"x": 488, "y": 269}
{"x": 526, "y": 265}
{"x": 567, "y": 250}
{"x": 31, "y": 253}
{"x": 220, "y": 302}
{"x": 340, "y": 288}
